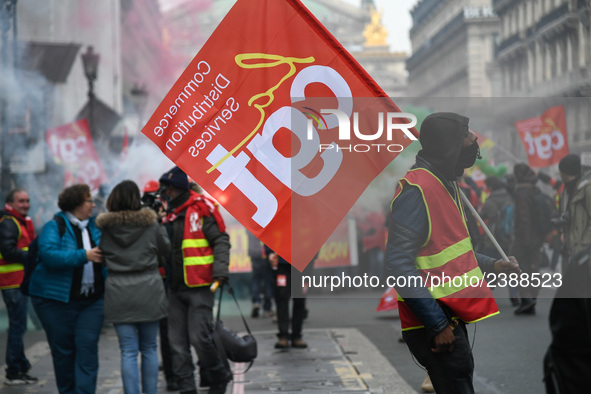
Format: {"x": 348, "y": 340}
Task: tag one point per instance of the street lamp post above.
{"x": 139, "y": 97}
{"x": 90, "y": 61}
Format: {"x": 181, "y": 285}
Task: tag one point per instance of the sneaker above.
{"x": 204, "y": 379}
{"x": 299, "y": 344}
{"x": 526, "y": 308}
{"x": 172, "y": 384}
{"x": 255, "y": 311}
{"x": 427, "y": 386}
{"x": 28, "y": 378}
{"x": 15, "y": 379}
{"x": 218, "y": 386}
{"x": 282, "y": 343}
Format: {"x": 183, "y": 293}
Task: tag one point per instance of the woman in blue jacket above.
{"x": 67, "y": 289}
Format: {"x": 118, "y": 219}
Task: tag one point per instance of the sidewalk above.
{"x": 336, "y": 361}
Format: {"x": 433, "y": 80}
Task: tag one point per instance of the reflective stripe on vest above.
{"x": 446, "y": 261}
{"x": 197, "y": 253}
{"x": 12, "y": 274}
{"x": 448, "y": 254}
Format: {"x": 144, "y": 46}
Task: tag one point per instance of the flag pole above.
{"x": 486, "y": 230}
{"x": 507, "y": 152}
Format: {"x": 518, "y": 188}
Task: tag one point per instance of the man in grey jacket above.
{"x": 575, "y": 205}
{"x": 200, "y": 255}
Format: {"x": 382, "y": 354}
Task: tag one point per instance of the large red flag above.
{"x": 544, "y": 137}
{"x": 280, "y": 124}
{"x": 71, "y": 146}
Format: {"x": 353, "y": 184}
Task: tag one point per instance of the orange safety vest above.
{"x": 447, "y": 253}
{"x": 197, "y": 253}
{"x": 11, "y": 274}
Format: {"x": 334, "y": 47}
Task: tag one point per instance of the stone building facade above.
{"x": 510, "y": 59}
{"x": 452, "y": 43}
{"x": 544, "y": 51}
{"x": 345, "y": 21}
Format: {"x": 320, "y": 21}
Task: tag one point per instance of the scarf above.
{"x": 87, "y": 285}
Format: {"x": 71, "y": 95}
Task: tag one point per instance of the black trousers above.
{"x": 450, "y": 373}
{"x": 165, "y": 350}
{"x": 283, "y": 293}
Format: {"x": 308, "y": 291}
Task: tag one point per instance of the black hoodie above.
{"x": 442, "y": 135}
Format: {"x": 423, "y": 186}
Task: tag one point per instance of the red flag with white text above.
{"x": 544, "y": 137}
{"x": 278, "y": 122}
{"x": 71, "y": 147}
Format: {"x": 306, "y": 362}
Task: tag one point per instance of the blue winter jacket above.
{"x": 59, "y": 257}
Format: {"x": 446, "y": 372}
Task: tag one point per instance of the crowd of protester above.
{"x": 147, "y": 262}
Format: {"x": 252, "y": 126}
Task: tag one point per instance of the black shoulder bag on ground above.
{"x": 238, "y": 349}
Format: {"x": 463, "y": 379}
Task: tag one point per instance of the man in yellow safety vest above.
{"x": 439, "y": 277}
{"x": 16, "y": 233}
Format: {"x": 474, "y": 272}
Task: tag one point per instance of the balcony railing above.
{"x": 554, "y": 15}
{"x": 500, "y": 6}
{"x": 422, "y": 10}
{"x": 515, "y": 38}
{"x": 436, "y": 41}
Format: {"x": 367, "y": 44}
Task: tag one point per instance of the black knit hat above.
{"x": 570, "y": 165}
{"x": 523, "y": 173}
{"x": 175, "y": 178}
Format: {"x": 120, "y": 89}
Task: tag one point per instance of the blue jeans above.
{"x": 73, "y": 330}
{"x": 16, "y": 307}
{"x": 134, "y": 338}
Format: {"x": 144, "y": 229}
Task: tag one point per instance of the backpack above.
{"x": 33, "y": 258}
{"x": 507, "y": 220}
{"x": 544, "y": 210}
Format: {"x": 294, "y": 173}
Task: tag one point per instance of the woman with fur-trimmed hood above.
{"x": 132, "y": 240}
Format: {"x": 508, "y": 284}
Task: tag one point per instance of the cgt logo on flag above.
{"x": 71, "y": 146}
{"x": 544, "y": 137}
{"x": 242, "y": 122}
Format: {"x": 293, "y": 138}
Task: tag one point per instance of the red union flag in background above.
{"x": 71, "y": 146}
{"x": 544, "y": 137}
{"x": 280, "y": 124}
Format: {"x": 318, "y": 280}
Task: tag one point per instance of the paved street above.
{"x": 352, "y": 349}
